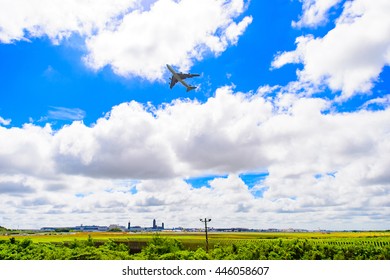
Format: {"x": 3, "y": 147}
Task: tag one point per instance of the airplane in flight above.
{"x": 179, "y": 77}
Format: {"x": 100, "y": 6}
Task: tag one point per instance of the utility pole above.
{"x": 205, "y": 221}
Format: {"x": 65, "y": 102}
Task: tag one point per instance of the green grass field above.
{"x": 196, "y": 239}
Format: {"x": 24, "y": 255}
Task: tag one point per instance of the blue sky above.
{"x": 289, "y": 120}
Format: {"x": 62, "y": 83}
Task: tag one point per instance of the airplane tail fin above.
{"x": 190, "y": 88}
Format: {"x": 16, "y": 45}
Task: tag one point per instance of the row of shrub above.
{"x": 171, "y": 249}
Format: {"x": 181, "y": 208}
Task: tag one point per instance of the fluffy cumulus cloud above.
{"x": 350, "y": 57}
{"x": 24, "y": 19}
{"x": 323, "y": 168}
{"x": 185, "y": 138}
{"x": 174, "y": 32}
{"x": 315, "y": 12}
{"x": 133, "y": 37}
{"x": 26, "y": 150}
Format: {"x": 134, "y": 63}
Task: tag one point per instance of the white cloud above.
{"x": 380, "y": 101}
{"x": 234, "y": 30}
{"x": 18, "y": 187}
{"x": 325, "y": 170}
{"x": 4, "y": 121}
{"x": 134, "y": 38}
{"x": 179, "y": 139}
{"x": 61, "y": 113}
{"x": 26, "y": 150}
{"x": 126, "y": 144}
{"x": 349, "y": 57}
{"x": 170, "y": 32}
{"x": 202, "y": 133}
{"x": 57, "y": 19}
{"x": 315, "y": 12}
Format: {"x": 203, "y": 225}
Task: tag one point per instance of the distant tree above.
{"x": 62, "y": 230}
{"x": 116, "y": 229}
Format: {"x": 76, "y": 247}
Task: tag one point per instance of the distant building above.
{"x": 112, "y": 227}
{"x": 154, "y": 224}
{"x": 136, "y": 228}
{"x": 91, "y": 228}
{"x": 155, "y": 227}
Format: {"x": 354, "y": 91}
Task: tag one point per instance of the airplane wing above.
{"x": 173, "y": 82}
{"x": 185, "y": 76}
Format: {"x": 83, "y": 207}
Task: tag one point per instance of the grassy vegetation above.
{"x": 188, "y": 246}
{"x": 196, "y": 239}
